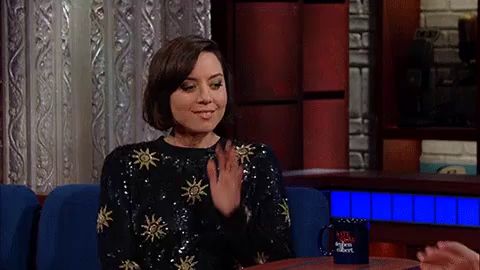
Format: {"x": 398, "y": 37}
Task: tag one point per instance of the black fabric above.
{"x": 156, "y": 210}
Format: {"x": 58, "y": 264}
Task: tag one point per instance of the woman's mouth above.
{"x": 204, "y": 114}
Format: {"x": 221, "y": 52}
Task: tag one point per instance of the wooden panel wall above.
{"x": 290, "y": 62}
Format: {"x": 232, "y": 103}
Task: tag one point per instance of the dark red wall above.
{"x": 267, "y": 45}
{"x": 325, "y": 85}
{"x": 325, "y": 47}
{"x": 290, "y": 62}
{"x": 266, "y": 51}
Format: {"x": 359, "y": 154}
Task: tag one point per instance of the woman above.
{"x": 191, "y": 200}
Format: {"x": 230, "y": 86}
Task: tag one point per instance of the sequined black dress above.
{"x": 156, "y": 211}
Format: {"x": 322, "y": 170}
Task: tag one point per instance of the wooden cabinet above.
{"x": 396, "y": 23}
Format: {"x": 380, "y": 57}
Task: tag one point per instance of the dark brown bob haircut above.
{"x": 170, "y": 66}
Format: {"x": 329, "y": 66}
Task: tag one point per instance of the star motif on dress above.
{"x": 103, "y": 218}
{"x": 145, "y": 158}
{"x": 244, "y": 152}
{"x": 129, "y": 265}
{"x": 261, "y": 258}
{"x": 285, "y": 211}
{"x": 154, "y": 228}
{"x": 194, "y": 191}
{"x": 187, "y": 264}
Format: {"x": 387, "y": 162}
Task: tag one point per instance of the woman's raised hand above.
{"x": 226, "y": 187}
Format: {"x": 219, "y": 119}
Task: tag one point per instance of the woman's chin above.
{"x": 201, "y": 129}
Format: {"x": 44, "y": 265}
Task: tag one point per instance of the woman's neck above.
{"x": 183, "y": 139}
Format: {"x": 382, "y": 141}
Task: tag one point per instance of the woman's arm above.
{"x": 114, "y": 223}
{"x": 259, "y": 230}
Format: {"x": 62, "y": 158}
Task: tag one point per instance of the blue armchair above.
{"x": 19, "y": 210}
{"x": 67, "y": 229}
{"x": 309, "y": 212}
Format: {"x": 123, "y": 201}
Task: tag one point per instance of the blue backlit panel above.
{"x": 361, "y": 204}
{"x": 381, "y": 206}
{"x": 445, "y": 210}
{"x": 423, "y": 209}
{"x": 402, "y": 207}
{"x": 468, "y": 211}
{"x": 340, "y": 204}
{"x": 406, "y": 208}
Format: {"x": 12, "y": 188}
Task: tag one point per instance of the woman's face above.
{"x": 198, "y": 105}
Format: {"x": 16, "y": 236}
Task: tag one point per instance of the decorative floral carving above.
{"x": 67, "y": 110}
{"x": 40, "y": 111}
{"x": 45, "y": 85}
{"x": 16, "y": 82}
{"x": 123, "y": 71}
{"x": 97, "y": 57}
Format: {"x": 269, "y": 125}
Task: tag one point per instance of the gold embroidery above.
{"x": 154, "y": 228}
{"x": 187, "y": 264}
{"x": 103, "y": 218}
{"x": 261, "y": 258}
{"x": 194, "y": 191}
{"x": 129, "y": 265}
{"x": 285, "y": 211}
{"x": 244, "y": 152}
{"x": 145, "y": 158}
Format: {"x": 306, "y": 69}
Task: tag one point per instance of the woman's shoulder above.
{"x": 253, "y": 151}
{"x": 124, "y": 163}
{"x": 134, "y": 150}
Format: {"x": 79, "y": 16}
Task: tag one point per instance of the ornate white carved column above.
{"x": 74, "y": 73}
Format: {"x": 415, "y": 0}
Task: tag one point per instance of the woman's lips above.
{"x": 204, "y": 114}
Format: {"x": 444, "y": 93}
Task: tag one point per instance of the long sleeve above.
{"x": 114, "y": 223}
{"x": 259, "y": 230}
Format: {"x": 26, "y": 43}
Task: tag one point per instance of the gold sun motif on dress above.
{"x": 194, "y": 191}
{"x": 129, "y": 265}
{"x": 186, "y": 264}
{"x": 244, "y": 152}
{"x": 145, "y": 158}
{"x": 103, "y": 218}
{"x": 154, "y": 228}
{"x": 285, "y": 211}
{"x": 261, "y": 258}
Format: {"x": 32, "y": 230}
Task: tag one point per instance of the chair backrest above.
{"x": 19, "y": 210}
{"x": 67, "y": 237}
{"x": 309, "y": 213}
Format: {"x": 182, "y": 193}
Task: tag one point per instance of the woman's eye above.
{"x": 216, "y": 86}
{"x": 187, "y": 87}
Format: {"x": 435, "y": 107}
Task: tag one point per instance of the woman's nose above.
{"x": 205, "y": 95}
